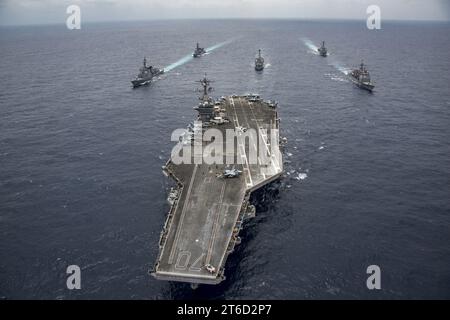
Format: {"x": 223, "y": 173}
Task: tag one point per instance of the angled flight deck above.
{"x": 211, "y": 200}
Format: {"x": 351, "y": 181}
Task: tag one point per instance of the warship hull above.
{"x": 140, "y": 82}
{"x": 362, "y": 85}
{"x": 143, "y": 82}
{"x": 323, "y": 50}
{"x": 259, "y": 62}
{"x": 204, "y": 220}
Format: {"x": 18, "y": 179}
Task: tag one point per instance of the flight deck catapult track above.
{"x": 207, "y": 213}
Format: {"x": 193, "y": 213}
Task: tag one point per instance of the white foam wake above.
{"x": 189, "y": 57}
{"x": 313, "y": 48}
{"x": 178, "y": 63}
{"x": 341, "y": 68}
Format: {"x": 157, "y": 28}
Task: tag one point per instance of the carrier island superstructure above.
{"x": 211, "y": 201}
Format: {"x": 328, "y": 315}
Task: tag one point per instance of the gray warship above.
{"x": 211, "y": 201}
{"x": 323, "y": 50}
{"x": 259, "y": 62}
{"x": 146, "y": 74}
{"x": 198, "y": 52}
{"x": 361, "y": 78}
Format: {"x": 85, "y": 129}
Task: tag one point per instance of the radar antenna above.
{"x": 205, "y": 82}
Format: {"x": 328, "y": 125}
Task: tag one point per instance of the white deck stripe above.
{"x": 183, "y": 213}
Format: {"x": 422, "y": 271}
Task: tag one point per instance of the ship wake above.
{"x": 336, "y": 77}
{"x": 189, "y": 57}
{"x": 308, "y": 43}
{"x": 178, "y": 63}
{"x": 219, "y": 45}
{"x": 338, "y": 66}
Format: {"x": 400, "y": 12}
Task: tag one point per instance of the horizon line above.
{"x": 223, "y": 18}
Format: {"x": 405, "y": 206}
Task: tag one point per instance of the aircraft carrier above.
{"x": 211, "y": 201}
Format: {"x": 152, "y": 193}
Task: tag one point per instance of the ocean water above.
{"x": 367, "y": 177}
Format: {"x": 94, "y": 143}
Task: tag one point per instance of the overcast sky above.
{"x": 14, "y": 12}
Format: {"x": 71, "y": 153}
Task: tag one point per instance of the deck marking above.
{"x": 255, "y": 143}
{"x": 182, "y": 254}
{"x": 171, "y": 223}
{"x": 249, "y": 184}
{"x": 193, "y": 267}
{"x": 276, "y": 166}
{"x": 215, "y": 225}
{"x": 183, "y": 213}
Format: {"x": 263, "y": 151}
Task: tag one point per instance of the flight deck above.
{"x": 211, "y": 201}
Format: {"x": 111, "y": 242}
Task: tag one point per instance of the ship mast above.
{"x": 206, "y": 107}
{"x": 206, "y": 88}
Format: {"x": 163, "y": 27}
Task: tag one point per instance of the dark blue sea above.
{"x": 367, "y": 176}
